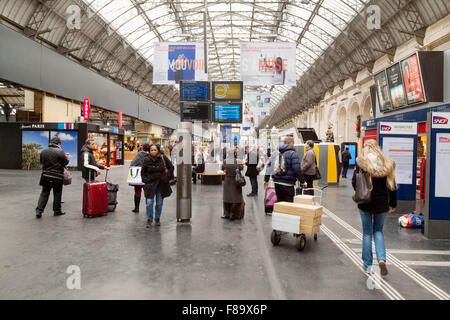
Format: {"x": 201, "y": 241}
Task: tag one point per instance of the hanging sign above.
{"x": 86, "y": 109}
{"x": 120, "y": 118}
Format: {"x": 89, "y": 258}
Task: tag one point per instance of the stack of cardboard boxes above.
{"x": 302, "y": 215}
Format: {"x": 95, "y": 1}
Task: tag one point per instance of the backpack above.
{"x": 279, "y": 167}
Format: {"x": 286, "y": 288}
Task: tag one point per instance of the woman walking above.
{"x": 155, "y": 174}
{"x": 383, "y": 201}
{"x": 138, "y": 161}
{"x": 252, "y": 172}
{"x": 233, "y": 201}
{"x": 309, "y": 165}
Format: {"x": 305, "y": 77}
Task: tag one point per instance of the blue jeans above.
{"x": 158, "y": 207}
{"x": 372, "y": 224}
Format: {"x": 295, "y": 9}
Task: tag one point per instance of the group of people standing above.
{"x": 284, "y": 167}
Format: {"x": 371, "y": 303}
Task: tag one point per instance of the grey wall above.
{"x": 26, "y": 62}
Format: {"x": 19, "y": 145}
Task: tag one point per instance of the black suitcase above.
{"x": 112, "y": 196}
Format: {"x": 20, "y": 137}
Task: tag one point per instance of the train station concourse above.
{"x": 225, "y": 156}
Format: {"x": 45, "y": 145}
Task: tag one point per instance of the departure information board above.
{"x": 195, "y": 111}
{"x": 194, "y": 91}
{"x": 228, "y": 113}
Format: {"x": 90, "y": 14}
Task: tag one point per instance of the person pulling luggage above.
{"x": 53, "y": 160}
{"x": 284, "y": 167}
{"x": 91, "y": 169}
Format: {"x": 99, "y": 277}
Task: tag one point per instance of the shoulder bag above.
{"x": 363, "y": 194}
{"x": 240, "y": 180}
{"x": 134, "y": 176}
{"x": 67, "y": 179}
{"x": 317, "y": 176}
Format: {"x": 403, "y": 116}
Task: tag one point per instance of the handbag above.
{"x": 240, "y": 180}
{"x": 317, "y": 176}
{"x": 363, "y": 194}
{"x": 172, "y": 179}
{"x": 67, "y": 179}
{"x": 260, "y": 166}
{"x": 134, "y": 177}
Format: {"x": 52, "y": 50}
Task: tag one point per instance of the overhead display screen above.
{"x": 229, "y": 113}
{"x": 195, "y": 111}
{"x": 384, "y": 97}
{"x": 194, "y": 91}
{"x": 231, "y": 90}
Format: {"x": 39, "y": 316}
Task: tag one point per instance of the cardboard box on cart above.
{"x": 304, "y": 199}
{"x": 310, "y": 215}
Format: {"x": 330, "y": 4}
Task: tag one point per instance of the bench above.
{"x": 211, "y": 178}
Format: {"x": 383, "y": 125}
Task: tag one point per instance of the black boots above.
{"x": 137, "y": 200}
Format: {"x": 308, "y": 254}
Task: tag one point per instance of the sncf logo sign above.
{"x": 439, "y": 120}
{"x": 386, "y": 128}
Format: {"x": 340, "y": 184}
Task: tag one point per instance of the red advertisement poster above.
{"x": 412, "y": 80}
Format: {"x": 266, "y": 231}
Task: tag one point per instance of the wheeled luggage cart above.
{"x": 300, "y": 243}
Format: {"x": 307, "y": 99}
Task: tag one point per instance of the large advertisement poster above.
{"x": 384, "y": 98}
{"x": 256, "y": 105}
{"x": 412, "y": 80}
{"x": 33, "y": 142}
{"x": 268, "y": 63}
{"x": 396, "y": 88}
{"x": 442, "y": 168}
{"x": 69, "y": 143}
{"x": 401, "y": 150}
{"x": 173, "y": 62}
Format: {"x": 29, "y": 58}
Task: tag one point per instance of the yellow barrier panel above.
{"x": 332, "y": 165}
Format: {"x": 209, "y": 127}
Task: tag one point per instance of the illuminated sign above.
{"x": 86, "y": 109}
{"x": 228, "y": 90}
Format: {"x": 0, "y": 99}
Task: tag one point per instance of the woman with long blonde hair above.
{"x": 383, "y": 201}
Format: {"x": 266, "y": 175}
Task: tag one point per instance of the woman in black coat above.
{"x": 155, "y": 174}
{"x": 252, "y": 173}
{"x": 233, "y": 201}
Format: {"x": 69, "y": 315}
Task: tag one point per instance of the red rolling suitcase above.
{"x": 95, "y": 199}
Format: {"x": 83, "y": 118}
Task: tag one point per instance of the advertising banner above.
{"x": 412, "y": 80}
{"x": 173, "y": 62}
{"x": 396, "y": 88}
{"x": 69, "y": 143}
{"x": 268, "y": 63}
{"x": 120, "y": 118}
{"x": 86, "y": 109}
{"x": 442, "y": 176}
{"x": 256, "y": 105}
{"x": 384, "y": 97}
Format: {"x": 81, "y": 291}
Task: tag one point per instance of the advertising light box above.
{"x": 412, "y": 80}
{"x": 194, "y": 91}
{"x": 228, "y": 113}
{"x": 396, "y": 88}
{"x": 383, "y": 94}
{"x": 228, "y": 90}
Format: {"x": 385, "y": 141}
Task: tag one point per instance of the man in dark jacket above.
{"x": 284, "y": 183}
{"x": 53, "y": 161}
{"x": 346, "y": 156}
{"x": 252, "y": 172}
{"x": 91, "y": 168}
{"x": 199, "y": 166}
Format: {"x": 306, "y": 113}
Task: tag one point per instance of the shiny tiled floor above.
{"x": 210, "y": 258}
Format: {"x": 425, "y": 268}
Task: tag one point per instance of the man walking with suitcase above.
{"x": 284, "y": 166}
{"x": 91, "y": 168}
{"x": 53, "y": 161}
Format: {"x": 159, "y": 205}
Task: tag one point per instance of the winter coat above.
{"x": 381, "y": 197}
{"x": 309, "y": 162}
{"x": 346, "y": 156}
{"x": 231, "y": 192}
{"x": 90, "y": 166}
{"x": 53, "y": 160}
{"x": 138, "y": 160}
{"x": 154, "y": 177}
{"x": 292, "y": 165}
{"x": 252, "y": 162}
{"x": 200, "y": 163}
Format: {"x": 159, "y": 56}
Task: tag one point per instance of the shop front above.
{"x": 23, "y": 142}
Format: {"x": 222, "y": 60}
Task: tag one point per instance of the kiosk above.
{"x": 398, "y": 140}
{"x": 437, "y": 197}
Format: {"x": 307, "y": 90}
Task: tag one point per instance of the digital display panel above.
{"x": 412, "y": 80}
{"x": 230, "y": 113}
{"x": 194, "y": 91}
{"x": 231, "y": 90}
{"x": 396, "y": 89}
{"x": 384, "y": 97}
{"x": 195, "y": 111}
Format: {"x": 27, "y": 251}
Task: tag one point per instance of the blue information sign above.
{"x": 231, "y": 113}
{"x": 194, "y": 91}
